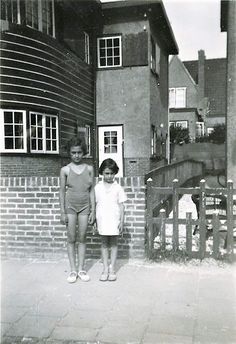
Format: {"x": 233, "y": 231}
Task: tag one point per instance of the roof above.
{"x": 215, "y": 82}
{"x": 155, "y": 11}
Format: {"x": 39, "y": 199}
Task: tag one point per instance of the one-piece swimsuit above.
{"x": 77, "y": 195}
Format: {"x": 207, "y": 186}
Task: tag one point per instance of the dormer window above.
{"x": 109, "y": 52}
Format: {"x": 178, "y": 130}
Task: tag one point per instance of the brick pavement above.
{"x": 150, "y": 303}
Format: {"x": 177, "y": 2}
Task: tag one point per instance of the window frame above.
{"x": 9, "y": 3}
{"x": 105, "y": 38}
{"x": 85, "y": 132}
{"x": 153, "y": 141}
{"x": 175, "y": 124}
{"x": 40, "y": 17}
{"x": 173, "y": 102}
{"x": 2, "y": 138}
{"x": 44, "y": 138}
{"x": 86, "y": 48}
{"x": 200, "y": 129}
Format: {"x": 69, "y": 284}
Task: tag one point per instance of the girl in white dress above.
{"x": 110, "y": 198}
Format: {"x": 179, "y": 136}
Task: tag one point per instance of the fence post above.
{"x": 189, "y": 233}
{"x": 175, "y": 215}
{"x": 202, "y": 220}
{"x": 163, "y": 228}
{"x": 149, "y": 215}
{"x": 230, "y": 221}
{"x": 216, "y": 234}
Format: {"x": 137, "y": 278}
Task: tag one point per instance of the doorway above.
{"x": 110, "y": 140}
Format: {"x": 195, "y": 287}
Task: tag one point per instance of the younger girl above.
{"x": 109, "y": 197}
{"x": 77, "y": 204}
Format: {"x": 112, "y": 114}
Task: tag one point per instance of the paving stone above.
{"x": 12, "y": 314}
{"x": 160, "y": 338}
{"x": 215, "y": 337}
{"x": 117, "y": 334}
{"x": 21, "y": 299}
{"x": 33, "y": 326}
{"x": 173, "y": 325}
{"x": 74, "y": 333}
{"x": 182, "y": 309}
{"x": 86, "y": 318}
{"x": 44, "y": 308}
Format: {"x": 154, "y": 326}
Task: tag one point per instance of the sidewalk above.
{"x": 149, "y": 303}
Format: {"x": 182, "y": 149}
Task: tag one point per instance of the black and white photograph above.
{"x": 118, "y": 171}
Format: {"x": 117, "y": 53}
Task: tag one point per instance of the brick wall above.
{"x": 30, "y": 219}
{"x": 136, "y": 166}
{"x": 33, "y": 165}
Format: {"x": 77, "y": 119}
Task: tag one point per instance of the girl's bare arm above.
{"x": 62, "y": 191}
{"x": 121, "y": 225}
{"x": 92, "y": 197}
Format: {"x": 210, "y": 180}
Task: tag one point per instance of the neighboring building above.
{"x": 197, "y": 93}
{"x": 132, "y": 84}
{"x": 228, "y": 20}
{"x": 66, "y": 64}
{"x": 47, "y": 82}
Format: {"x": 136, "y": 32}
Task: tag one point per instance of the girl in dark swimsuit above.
{"x": 77, "y": 205}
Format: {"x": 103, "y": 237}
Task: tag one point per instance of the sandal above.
{"x": 72, "y": 277}
{"x": 83, "y": 276}
{"x": 112, "y": 277}
{"x": 104, "y": 277}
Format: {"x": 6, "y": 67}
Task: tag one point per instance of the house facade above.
{"x": 81, "y": 67}
{"x": 228, "y": 19}
{"x": 132, "y": 89}
{"x": 197, "y": 93}
{"x": 47, "y": 82}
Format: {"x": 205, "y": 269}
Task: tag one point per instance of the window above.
{"x": 109, "y": 52}
{"x": 200, "y": 129}
{"x": 43, "y": 132}
{"x": 47, "y": 17}
{"x": 182, "y": 124}
{"x": 86, "y": 48}
{"x": 110, "y": 142}
{"x": 153, "y": 140}
{"x": 210, "y": 130}
{"x": 177, "y": 97}
{"x": 10, "y": 11}
{"x": 32, "y": 13}
{"x": 13, "y": 131}
{"x": 40, "y": 15}
{"x": 85, "y": 133}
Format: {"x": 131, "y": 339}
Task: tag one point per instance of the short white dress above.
{"x": 107, "y": 207}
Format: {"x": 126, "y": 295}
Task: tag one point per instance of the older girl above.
{"x": 77, "y": 205}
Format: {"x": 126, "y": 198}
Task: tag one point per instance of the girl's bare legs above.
{"x": 114, "y": 250}
{"x": 83, "y": 224}
{"x": 105, "y": 253}
{"x": 71, "y": 239}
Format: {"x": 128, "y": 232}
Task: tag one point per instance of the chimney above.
{"x": 201, "y": 74}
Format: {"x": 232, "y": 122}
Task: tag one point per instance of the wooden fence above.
{"x": 167, "y": 232}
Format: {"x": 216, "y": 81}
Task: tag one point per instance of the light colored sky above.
{"x": 196, "y": 25}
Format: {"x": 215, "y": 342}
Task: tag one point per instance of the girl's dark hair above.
{"x": 108, "y": 163}
{"x": 77, "y": 141}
